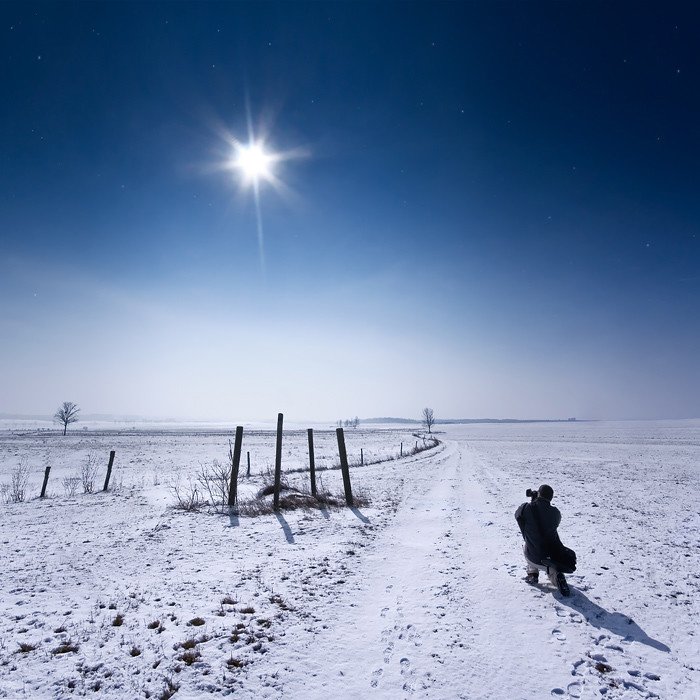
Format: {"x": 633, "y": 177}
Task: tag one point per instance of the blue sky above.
{"x": 496, "y": 213}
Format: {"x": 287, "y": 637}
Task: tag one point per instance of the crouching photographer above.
{"x": 538, "y": 520}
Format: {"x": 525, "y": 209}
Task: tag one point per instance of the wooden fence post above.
{"x": 109, "y": 470}
{"x": 248, "y": 470}
{"x": 362, "y": 457}
{"x": 344, "y": 465}
{"x": 235, "y": 462}
{"x": 278, "y": 463}
{"x": 312, "y": 461}
{"x": 47, "y": 471}
{"x": 402, "y": 449}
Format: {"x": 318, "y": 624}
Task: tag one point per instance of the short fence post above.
{"x": 312, "y": 462}
{"x": 402, "y": 449}
{"x": 46, "y": 481}
{"x": 235, "y": 462}
{"x": 278, "y": 463}
{"x": 362, "y": 457}
{"x": 344, "y": 465}
{"x": 416, "y": 445}
{"x": 248, "y": 470}
{"x": 109, "y": 470}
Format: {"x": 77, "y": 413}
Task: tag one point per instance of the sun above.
{"x": 253, "y": 162}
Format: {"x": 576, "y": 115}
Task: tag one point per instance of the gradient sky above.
{"x": 496, "y": 212}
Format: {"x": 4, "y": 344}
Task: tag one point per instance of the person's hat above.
{"x": 545, "y": 491}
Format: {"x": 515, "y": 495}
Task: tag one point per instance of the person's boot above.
{"x": 562, "y": 585}
{"x": 532, "y": 577}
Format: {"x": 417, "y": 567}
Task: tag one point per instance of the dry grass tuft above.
{"x": 66, "y": 648}
{"x": 189, "y": 657}
{"x": 235, "y": 663}
{"x": 171, "y": 687}
{"x": 294, "y": 499}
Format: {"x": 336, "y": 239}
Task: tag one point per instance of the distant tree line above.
{"x": 348, "y": 422}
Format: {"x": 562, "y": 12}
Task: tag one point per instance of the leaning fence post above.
{"x": 278, "y": 462}
{"x": 312, "y": 462}
{"x": 344, "y": 465}
{"x": 47, "y": 471}
{"x": 109, "y": 469}
{"x": 235, "y": 462}
{"x": 248, "y": 470}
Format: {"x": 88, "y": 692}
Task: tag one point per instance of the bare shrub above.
{"x": 88, "y": 474}
{"x": 70, "y": 485}
{"x": 215, "y": 481}
{"x": 187, "y": 497}
{"x": 18, "y": 482}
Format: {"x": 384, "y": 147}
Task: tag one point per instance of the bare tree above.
{"x": 428, "y": 418}
{"x": 67, "y": 414}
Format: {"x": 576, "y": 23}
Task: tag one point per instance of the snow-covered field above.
{"x": 418, "y": 594}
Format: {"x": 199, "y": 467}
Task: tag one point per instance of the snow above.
{"x": 418, "y": 594}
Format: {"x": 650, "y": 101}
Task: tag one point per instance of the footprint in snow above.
{"x": 574, "y": 689}
{"x": 407, "y": 675}
{"x": 557, "y": 691}
{"x": 558, "y": 634}
{"x": 576, "y": 664}
{"x": 376, "y": 677}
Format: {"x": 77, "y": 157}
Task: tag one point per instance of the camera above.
{"x": 531, "y": 493}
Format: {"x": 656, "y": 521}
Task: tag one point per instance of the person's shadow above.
{"x": 616, "y": 622}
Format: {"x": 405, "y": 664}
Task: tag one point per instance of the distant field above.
{"x": 418, "y": 593}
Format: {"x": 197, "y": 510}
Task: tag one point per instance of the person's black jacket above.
{"x": 540, "y": 541}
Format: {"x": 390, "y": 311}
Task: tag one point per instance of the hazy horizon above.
{"x": 489, "y": 209}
